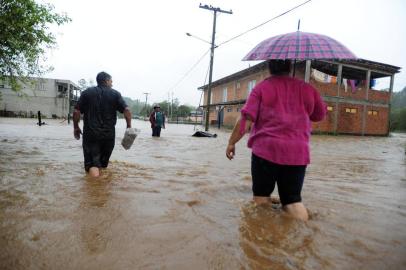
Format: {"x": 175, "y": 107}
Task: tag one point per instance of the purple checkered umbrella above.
{"x": 300, "y": 46}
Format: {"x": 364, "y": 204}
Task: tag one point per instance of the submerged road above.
{"x": 176, "y": 202}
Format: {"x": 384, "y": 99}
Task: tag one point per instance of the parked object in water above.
{"x": 204, "y": 134}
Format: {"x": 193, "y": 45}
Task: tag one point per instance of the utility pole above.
{"x": 146, "y": 101}
{"x": 169, "y": 105}
{"x": 172, "y": 106}
{"x": 215, "y": 10}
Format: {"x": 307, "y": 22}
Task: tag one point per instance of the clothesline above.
{"x": 354, "y": 84}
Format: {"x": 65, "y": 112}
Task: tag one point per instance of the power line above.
{"x": 204, "y": 83}
{"x": 201, "y": 58}
{"x": 201, "y": 95}
{"x": 190, "y": 70}
{"x": 235, "y": 37}
{"x": 249, "y": 30}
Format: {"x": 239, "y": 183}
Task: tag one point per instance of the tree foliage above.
{"x": 398, "y": 111}
{"x": 24, "y": 38}
{"x": 399, "y": 99}
{"x": 139, "y": 108}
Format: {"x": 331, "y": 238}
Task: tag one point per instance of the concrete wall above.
{"x": 40, "y": 95}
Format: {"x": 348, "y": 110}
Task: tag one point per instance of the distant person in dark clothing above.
{"x": 99, "y": 106}
{"x": 157, "y": 119}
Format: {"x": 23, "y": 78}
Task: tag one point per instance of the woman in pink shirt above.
{"x": 278, "y": 115}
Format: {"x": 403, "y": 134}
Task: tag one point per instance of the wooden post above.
{"x": 69, "y": 101}
{"x": 308, "y": 70}
{"x": 39, "y": 118}
{"x": 392, "y": 80}
{"x": 339, "y": 77}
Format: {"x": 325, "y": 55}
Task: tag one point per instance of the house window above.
{"x": 238, "y": 85}
{"x": 238, "y": 109}
{"x": 330, "y": 108}
{"x": 350, "y": 110}
{"x": 224, "y": 94}
{"x": 40, "y": 86}
{"x": 229, "y": 109}
{"x": 251, "y": 85}
{"x": 372, "y": 112}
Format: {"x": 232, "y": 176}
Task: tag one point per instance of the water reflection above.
{"x": 96, "y": 191}
{"x": 93, "y": 220}
{"x": 272, "y": 240}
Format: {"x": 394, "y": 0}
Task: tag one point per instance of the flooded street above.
{"x": 176, "y": 202}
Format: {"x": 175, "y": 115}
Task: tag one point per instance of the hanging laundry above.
{"x": 323, "y": 77}
{"x": 372, "y": 83}
{"x": 352, "y": 84}
{"x": 345, "y": 85}
{"x": 318, "y": 76}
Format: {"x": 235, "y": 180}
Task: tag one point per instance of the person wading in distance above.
{"x": 157, "y": 119}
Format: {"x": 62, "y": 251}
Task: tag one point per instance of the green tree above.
{"x": 146, "y": 110}
{"x": 399, "y": 99}
{"x": 165, "y": 106}
{"x": 24, "y": 38}
{"x": 184, "y": 110}
{"x": 398, "y": 119}
{"x": 398, "y": 111}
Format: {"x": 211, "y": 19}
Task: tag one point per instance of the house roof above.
{"x": 352, "y": 69}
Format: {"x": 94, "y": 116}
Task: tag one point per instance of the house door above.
{"x": 220, "y": 117}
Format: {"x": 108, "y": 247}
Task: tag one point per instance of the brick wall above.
{"x": 348, "y": 123}
{"x": 377, "y": 124}
{"x": 327, "y": 125}
{"x": 379, "y": 96}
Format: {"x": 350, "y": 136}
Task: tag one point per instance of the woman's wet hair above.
{"x": 279, "y": 66}
{"x": 102, "y": 77}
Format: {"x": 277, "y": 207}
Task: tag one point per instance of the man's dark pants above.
{"x": 97, "y": 152}
{"x": 156, "y": 131}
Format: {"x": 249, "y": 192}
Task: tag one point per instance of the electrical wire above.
{"x": 201, "y": 95}
{"x": 190, "y": 70}
{"x": 249, "y": 30}
{"x": 204, "y": 83}
{"x": 235, "y": 37}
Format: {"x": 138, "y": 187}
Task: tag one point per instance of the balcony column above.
{"x": 308, "y": 70}
{"x": 339, "y": 78}
{"x": 365, "y": 111}
{"x": 392, "y": 80}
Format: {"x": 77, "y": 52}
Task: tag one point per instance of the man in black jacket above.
{"x": 99, "y": 106}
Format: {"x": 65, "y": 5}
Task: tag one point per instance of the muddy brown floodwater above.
{"x": 176, "y": 202}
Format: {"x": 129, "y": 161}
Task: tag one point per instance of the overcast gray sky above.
{"x": 143, "y": 44}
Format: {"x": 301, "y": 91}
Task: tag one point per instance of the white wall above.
{"x": 40, "y": 96}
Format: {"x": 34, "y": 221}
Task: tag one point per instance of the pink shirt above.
{"x": 281, "y": 109}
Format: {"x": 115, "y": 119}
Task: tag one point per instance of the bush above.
{"x": 398, "y": 119}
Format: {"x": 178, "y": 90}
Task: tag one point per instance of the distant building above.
{"x": 196, "y": 116}
{"x": 53, "y": 97}
{"x": 354, "y": 107}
